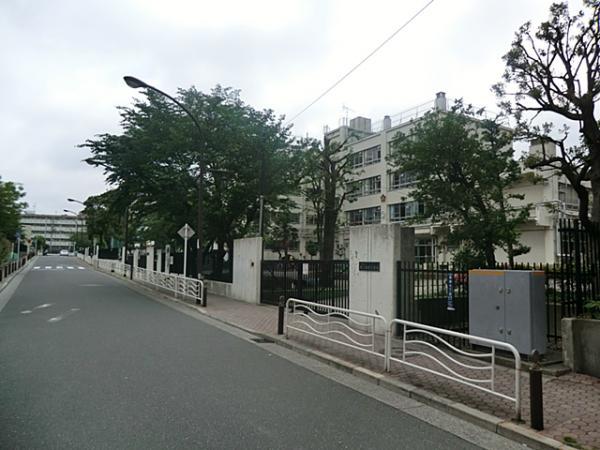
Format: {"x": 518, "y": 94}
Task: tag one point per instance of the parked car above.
{"x": 64, "y": 253}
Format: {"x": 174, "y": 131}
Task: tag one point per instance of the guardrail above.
{"x": 356, "y": 334}
{"x": 339, "y": 325}
{"x": 178, "y": 284}
{"x": 415, "y": 329}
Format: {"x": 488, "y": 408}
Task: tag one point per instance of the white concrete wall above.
{"x": 247, "y": 255}
{"x": 386, "y": 244}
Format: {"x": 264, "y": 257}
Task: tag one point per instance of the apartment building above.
{"x": 382, "y": 195}
{"x": 57, "y": 229}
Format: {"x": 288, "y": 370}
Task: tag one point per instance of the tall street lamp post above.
{"x": 136, "y": 83}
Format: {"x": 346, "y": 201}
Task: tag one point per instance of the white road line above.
{"x": 26, "y": 312}
{"x": 48, "y": 267}
{"x": 62, "y": 316}
{"x": 59, "y": 267}
{"x": 70, "y": 267}
{"x": 44, "y": 305}
{"x": 36, "y": 267}
{"x": 81, "y": 268}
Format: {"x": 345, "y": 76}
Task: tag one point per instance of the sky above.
{"x": 62, "y": 63}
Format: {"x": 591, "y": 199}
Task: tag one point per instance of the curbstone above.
{"x": 529, "y": 437}
{"x": 367, "y": 374}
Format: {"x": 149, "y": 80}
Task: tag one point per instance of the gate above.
{"x": 323, "y": 282}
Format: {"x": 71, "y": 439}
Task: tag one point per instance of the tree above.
{"x": 11, "y": 208}
{"x": 556, "y": 70}
{"x": 155, "y": 164}
{"x": 282, "y": 232}
{"x": 40, "y": 243}
{"x": 463, "y": 165}
{"x": 325, "y": 178}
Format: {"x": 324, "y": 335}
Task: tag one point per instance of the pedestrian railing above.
{"x": 178, "y": 284}
{"x": 353, "y": 329}
{"x": 423, "y": 347}
{"x": 8, "y": 268}
{"x": 478, "y": 369}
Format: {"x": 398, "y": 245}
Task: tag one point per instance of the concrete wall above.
{"x": 385, "y": 244}
{"x": 246, "y": 272}
{"x": 581, "y": 344}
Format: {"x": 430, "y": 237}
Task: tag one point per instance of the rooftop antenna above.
{"x": 346, "y": 110}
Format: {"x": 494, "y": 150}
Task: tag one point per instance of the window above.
{"x": 356, "y": 160}
{"x": 311, "y": 219}
{"x": 372, "y": 155}
{"x": 368, "y": 186}
{"x": 401, "y": 179}
{"x": 366, "y": 157}
{"x": 371, "y": 185}
{"x": 424, "y": 250}
{"x": 364, "y": 216}
{"x": 294, "y": 217}
{"x": 406, "y": 210}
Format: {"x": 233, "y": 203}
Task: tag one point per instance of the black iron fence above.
{"x": 325, "y": 282}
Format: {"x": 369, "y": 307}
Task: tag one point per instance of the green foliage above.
{"x": 281, "y": 231}
{"x": 463, "y": 165}
{"x": 155, "y": 166}
{"x": 593, "y": 309}
{"x": 554, "y": 69}
{"x": 40, "y": 242}
{"x": 5, "y": 249}
{"x": 11, "y": 208}
{"x": 312, "y": 248}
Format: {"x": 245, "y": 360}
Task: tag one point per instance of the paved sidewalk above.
{"x": 571, "y": 402}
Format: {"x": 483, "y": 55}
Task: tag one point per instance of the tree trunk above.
{"x": 490, "y": 256}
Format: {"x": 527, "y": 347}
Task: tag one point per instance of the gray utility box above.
{"x": 509, "y": 306}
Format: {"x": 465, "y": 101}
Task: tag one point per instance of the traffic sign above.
{"x": 186, "y": 232}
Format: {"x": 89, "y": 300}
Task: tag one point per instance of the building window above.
{"x": 366, "y": 157}
{"x": 295, "y": 218}
{"x": 360, "y": 188}
{"x": 311, "y": 219}
{"x": 406, "y": 210}
{"x": 424, "y": 250}
{"x": 366, "y": 216}
{"x": 401, "y": 179}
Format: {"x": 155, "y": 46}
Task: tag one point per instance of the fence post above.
{"x": 578, "y": 293}
{"x": 280, "y": 315}
{"x": 204, "y": 295}
{"x": 536, "y": 393}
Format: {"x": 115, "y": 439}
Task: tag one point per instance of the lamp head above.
{"x": 134, "y": 83}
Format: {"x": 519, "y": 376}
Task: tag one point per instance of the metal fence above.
{"x": 8, "y": 268}
{"x": 322, "y": 282}
{"x": 181, "y": 286}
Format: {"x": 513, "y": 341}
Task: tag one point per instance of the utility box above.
{"x": 509, "y": 306}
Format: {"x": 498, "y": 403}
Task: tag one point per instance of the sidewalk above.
{"x": 571, "y": 402}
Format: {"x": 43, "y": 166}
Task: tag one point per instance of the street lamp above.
{"x": 76, "y": 227}
{"x": 136, "y": 83}
{"x": 75, "y": 201}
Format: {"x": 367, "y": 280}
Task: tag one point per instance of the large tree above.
{"x": 326, "y": 171}
{"x": 11, "y": 208}
{"x": 463, "y": 164}
{"x": 156, "y": 162}
{"x": 556, "y": 69}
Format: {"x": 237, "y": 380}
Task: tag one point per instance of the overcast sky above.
{"x": 63, "y": 61}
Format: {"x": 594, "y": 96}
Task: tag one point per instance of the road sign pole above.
{"x": 185, "y": 252}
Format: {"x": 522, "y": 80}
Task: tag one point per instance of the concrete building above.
{"x": 383, "y": 195}
{"x": 57, "y": 229}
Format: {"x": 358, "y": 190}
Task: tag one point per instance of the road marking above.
{"x": 36, "y": 267}
{"x": 59, "y": 267}
{"x": 44, "y": 305}
{"x": 81, "y": 268}
{"x": 26, "y": 312}
{"x": 70, "y": 267}
{"x": 63, "y": 316}
{"x": 48, "y": 267}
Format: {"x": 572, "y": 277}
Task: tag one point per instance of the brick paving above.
{"x": 571, "y": 402}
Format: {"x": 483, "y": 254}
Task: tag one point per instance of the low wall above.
{"x": 246, "y": 273}
{"x": 581, "y": 341}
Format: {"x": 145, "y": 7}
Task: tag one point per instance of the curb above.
{"x": 506, "y": 428}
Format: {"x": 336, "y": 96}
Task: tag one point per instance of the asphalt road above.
{"x": 87, "y": 362}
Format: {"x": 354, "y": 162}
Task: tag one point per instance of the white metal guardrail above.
{"x": 357, "y": 330}
{"x": 178, "y": 284}
{"x": 442, "y": 359}
{"x": 338, "y": 325}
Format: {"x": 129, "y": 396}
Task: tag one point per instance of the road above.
{"x": 87, "y": 362}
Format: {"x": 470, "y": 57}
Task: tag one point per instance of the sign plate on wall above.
{"x": 368, "y": 266}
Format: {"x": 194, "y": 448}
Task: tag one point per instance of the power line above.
{"x": 362, "y": 61}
